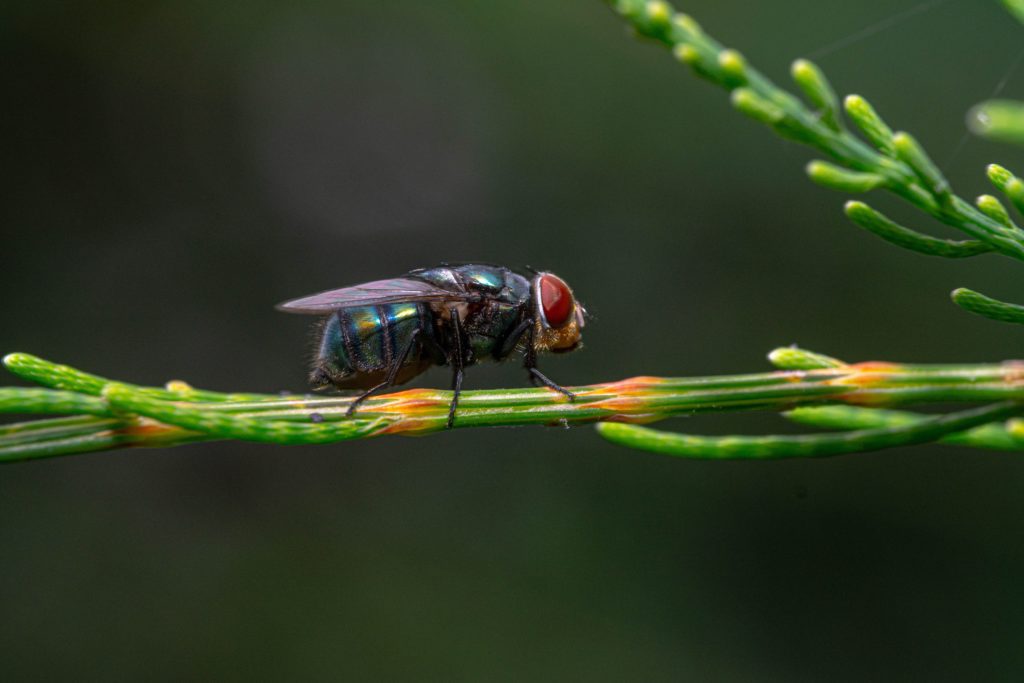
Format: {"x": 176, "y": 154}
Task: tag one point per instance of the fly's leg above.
{"x": 530, "y": 363}
{"x": 508, "y": 345}
{"x": 456, "y": 390}
{"x": 538, "y": 376}
{"x": 457, "y": 360}
{"x": 390, "y": 378}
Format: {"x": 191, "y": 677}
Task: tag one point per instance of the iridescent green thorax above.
{"x": 502, "y": 300}
{"x": 488, "y": 281}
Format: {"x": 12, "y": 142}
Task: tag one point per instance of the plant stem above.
{"x": 110, "y": 414}
{"x": 1007, "y": 436}
{"x": 893, "y": 161}
{"x": 806, "y": 445}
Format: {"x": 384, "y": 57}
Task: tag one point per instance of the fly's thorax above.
{"x": 493, "y": 326}
{"x": 478, "y": 281}
{"x": 444, "y": 312}
{"x": 486, "y": 326}
{"x": 444, "y": 315}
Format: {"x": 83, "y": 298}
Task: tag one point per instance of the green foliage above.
{"x": 809, "y": 388}
{"x": 890, "y": 161}
{"x": 874, "y": 221}
{"x": 1007, "y": 436}
{"x": 986, "y": 306}
{"x": 1001, "y": 120}
{"x": 109, "y": 415}
{"x": 1016, "y": 8}
{"x": 794, "y": 358}
{"x": 911, "y": 433}
{"x": 879, "y": 160}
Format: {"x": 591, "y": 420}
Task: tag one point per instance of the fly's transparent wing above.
{"x": 397, "y": 290}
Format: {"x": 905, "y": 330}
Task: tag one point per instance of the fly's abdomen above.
{"x": 359, "y": 345}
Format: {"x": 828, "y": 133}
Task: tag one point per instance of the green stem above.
{"x": 117, "y": 415}
{"x": 1000, "y": 120}
{"x": 804, "y": 446}
{"x": 1016, "y": 7}
{"x": 43, "y": 401}
{"x": 987, "y": 306}
{"x": 996, "y": 436}
{"x": 890, "y": 231}
{"x": 896, "y": 163}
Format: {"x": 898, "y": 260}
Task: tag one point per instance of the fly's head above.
{"x": 559, "y": 318}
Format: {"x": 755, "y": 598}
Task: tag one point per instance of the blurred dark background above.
{"x": 173, "y": 169}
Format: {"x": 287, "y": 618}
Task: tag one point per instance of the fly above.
{"x": 383, "y": 333}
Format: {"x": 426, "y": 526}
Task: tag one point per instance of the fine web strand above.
{"x": 876, "y": 28}
{"x": 1000, "y": 86}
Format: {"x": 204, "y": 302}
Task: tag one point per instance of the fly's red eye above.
{"x": 555, "y": 300}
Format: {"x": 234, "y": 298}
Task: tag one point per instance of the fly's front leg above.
{"x": 536, "y": 376}
{"x": 508, "y": 345}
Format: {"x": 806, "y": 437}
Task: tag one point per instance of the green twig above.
{"x": 810, "y": 388}
{"x": 996, "y": 436}
{"x": 805, "y": 445}
{"x": 109, "y": 414}
{"x": 1000, "y": 120}
{"x": 1016, "y": 7}
{"x": 874, "y": 221}
{"x": 891, "y": 161}
{"x": 795, "y": 358}
{"x": 987, "y": 306}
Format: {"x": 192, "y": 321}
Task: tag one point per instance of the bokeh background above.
{"x": 173, "y": 169}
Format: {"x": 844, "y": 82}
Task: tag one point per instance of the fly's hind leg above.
{"x": 389, "y": 379}
{"x": 457, "y": 360}
{"x": 456, "y": 390}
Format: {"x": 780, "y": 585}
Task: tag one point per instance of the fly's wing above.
{"x": 397, "y": 290}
